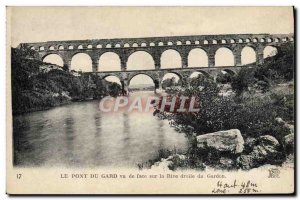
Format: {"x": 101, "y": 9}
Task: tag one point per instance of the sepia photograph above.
{"x": 131, "y": 100}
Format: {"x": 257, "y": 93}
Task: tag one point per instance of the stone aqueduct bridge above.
{"x": 155, "y": 46}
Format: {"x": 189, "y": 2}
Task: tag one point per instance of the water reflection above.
{"x": 79, "y": 135}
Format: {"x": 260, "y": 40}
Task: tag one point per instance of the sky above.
{"x": 39, "y": 24}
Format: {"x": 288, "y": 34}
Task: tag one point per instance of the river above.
{"x": 80, "y": 135}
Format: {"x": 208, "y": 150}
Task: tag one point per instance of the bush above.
{"x": 243, "y": 80}
{"x": 224, "y": 78}
{"x": 253, "y": 115}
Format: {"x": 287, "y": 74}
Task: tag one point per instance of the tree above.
{"x": 243, "y": 80}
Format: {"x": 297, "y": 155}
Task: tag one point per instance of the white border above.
{"x": 4, "y": 3}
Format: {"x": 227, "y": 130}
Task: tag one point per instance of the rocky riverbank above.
{"x": 229, "y": 150}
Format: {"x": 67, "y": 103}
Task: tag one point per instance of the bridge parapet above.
{"x": 156, "y": 46}
{"x": 161, "y": 41}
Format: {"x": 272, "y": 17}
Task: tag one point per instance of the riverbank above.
{"x": 245, "y": 121}
{"x": 40, "y": 86}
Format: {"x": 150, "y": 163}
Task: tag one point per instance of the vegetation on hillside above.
{"x": 257, "y": 107}
{"x": 34, "y": 88}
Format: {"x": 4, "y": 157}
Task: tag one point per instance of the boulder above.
{"x": 264, "y": 152}
{"x": 222, "y": 141}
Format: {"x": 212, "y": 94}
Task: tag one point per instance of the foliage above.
{"x": 243, "y": 80}
{"x": 114, "y": 89}
{"x": 169, "y": 82}
{"x": 224, "y": 78}
{"x": 34, "y": 88}
{"x": 253, "y": 115}
{"x": 280, "y": 67}
{"x": 277, "y": 69}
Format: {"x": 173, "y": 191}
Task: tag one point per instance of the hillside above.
{"x": 38, "y": 86}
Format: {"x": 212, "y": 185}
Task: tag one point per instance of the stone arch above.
{"x": 60, "y": 47}
{"x": 241, "y": 40}
{"x": 144, "y": 79}
{"x": 248, "y": 55}
{"x": 229, "y": 71}
{"x": 197, "y": 42}
{"x": 81, "y": 62}
{"x": 224, "y": 57}
{"x": 269, "y": 40}
{"x": 53, "y": 58}
{"x": 248, "y": 40}
{"x": 174, "y": 73}
{"x": 51, "y": 48}
{"x": 41, "y": 48}
{"x": 99, "y": 46}
{"x": 126, "y": 45}
{"x": 205, "y": 42}
{"x": 174, "y": 76}
{"x": 80, "y": 46}
{"x": 262, "y": 40}
{"x": 152, "y": 44}
{"x": 270, "y": 51}
{"x": 140, "y": 60}
{"x": 89, "y": 46}
{"x": 170, "y": 43}
{"x": 195, "y": 74}
{"x": 225, "y": 76}
{"x": 160, "y": 44}
{"x": 223, "y": 41}
{"x": 117, "y": 45}
{"x": 109, "y": 61}
{"x": 170, "y": 58}
{"x": 135, "y": 45}
{"x": 144, "y": 44}
{"x": 214, "y": 42}
{"x": 112, "y": 78}
{"x": 204, "y": 73}
{"x": 108, "y": 46}
{"x": 255, "y": 40}
{"x": 188, "y": 42}
{"x": 197, "y": 58}
{"x": 232, "y": 41}
{"x": 178, "y": 43}
{"x": 32, "y": 48}
{"x": 70, "y": 47}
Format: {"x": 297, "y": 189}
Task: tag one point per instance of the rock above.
{"x": 290, "y": 127}
{"x": 245, "y": 162}
{"x": 222, "y": 141}
{"x": 249, "y": 144}
{"x": 268, "y": 141}
{"x": 266, "y": 149}
{"x": 172, "y": 162}
{"x": 226, "y": 163}
{"x": 264, "y": 152}
{"x": 279, "y": 120}
{"x": 288, "y": 143}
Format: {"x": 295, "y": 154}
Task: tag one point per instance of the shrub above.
{"x": 243, "y": 80}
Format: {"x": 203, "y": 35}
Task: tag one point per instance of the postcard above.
{"x": 150, "y": 100}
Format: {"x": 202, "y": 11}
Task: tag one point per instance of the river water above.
{"x": 80, "y": 135}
